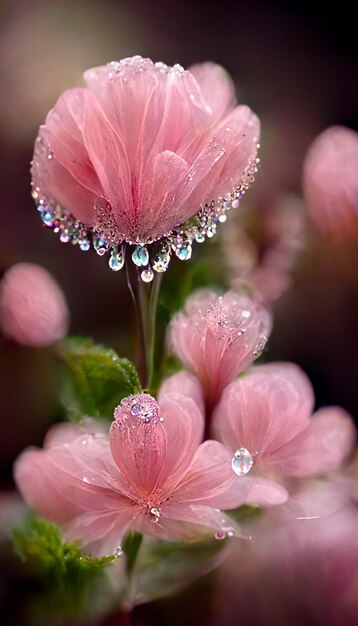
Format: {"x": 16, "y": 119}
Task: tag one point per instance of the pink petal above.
{"x": 242, "y": 419}
{"x": 252, "y": 490}
{"x": 100, "y": 533}
{"x": 183, "y": 384}
{"x": 265, "y": 492}
{"x": 312, "y": 500}
{"x": 208, "y": 478}
{"x": 289, "y": 394}
{"x": 216, "y": 86}
{"x": 63, "y": 481}
{"x": 68, "y": 176}
{"x": 322, "y": 447}
{"x": 189, "y": 522}
{"x": 33, "y": 478}
{"x": 68, "y": 431}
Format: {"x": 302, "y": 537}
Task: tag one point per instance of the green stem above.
{"x": 151, "y": 327}
{"x": 145, "y": 297}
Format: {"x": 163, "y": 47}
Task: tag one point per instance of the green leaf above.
{"x": 163, "y": 568}
{"x": 97, "y": 378}
{"x": 69, "y": 578}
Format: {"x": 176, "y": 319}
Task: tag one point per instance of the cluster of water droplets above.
{"x": 137, "y": 409}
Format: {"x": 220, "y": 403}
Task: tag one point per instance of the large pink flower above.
{"x": 330, "y": 181}
{"x": 140, "y": 151}
{"x": 151, "y": 474}
{"x": 264, "y": 418}
{"x": 219, "y": 336}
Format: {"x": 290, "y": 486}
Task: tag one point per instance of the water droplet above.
{"x": 50, "y": 155}
{"x": 65, "y": 237}
{"x": 155, "y": 513}
{"x": 184, "y": 251}
{"x": 100, "y": 245}
{"x": 116, "y": 260}
{"x": 235, "y": 203}
{"x": 242, "y": 462}
{"x": 260, "y": 345}
{"x": 222, "y": 218}
{"x": 220, "y": 536}
{"x": 136, "y": 409}
{"x": 84, "y": 244}
{"x": 140, "y": 256}
{"x": 118, "y": 552}
{"x": 160, "y": 265}
{"x": 147, "y": 275}
{"x": 200, "y": 238}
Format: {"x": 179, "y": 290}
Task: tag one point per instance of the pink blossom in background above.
{"x": 217, "y": 337}
{"x": 262, "y": 246}
{"x": 151, "y": 474}
{"x": 293, "y": 573}
{"x": 138, "y": 150}
{"x": 264, "y": 418}
{"x": 330, "y": 181}
{"x": 33, "y": 309}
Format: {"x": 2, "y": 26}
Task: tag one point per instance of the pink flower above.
{"x": 264, "y": 418}
{"x": 33, "y": 309}
{"x": 140, "y": 151}
{"x": 151, "y": 474}
{"x": 330, "y": 180}
{"x": 217, "y": 337}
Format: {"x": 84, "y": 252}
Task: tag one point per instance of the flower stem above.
{"x": 145, "y": 298}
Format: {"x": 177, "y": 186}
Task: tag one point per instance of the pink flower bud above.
{"x": 217, "y": 337}
{"x": 33, "y": 309}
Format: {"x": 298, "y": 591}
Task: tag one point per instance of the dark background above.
{"x": 295, "y": 65}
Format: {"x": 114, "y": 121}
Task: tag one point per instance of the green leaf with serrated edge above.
{"x": 97, "y": 379}
{"x": 68, "y": 577}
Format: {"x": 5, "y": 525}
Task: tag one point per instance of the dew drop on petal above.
{"x": 242, "y": 462}
{"x": 220, "y": 536}
{"x": 118, "y": 552}
{"x": 147, "y": 275}
{"x": 155, "y": 514}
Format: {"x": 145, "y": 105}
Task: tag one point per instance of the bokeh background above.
{"x": 295, "y": 64}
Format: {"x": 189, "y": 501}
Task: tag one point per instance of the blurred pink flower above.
{"x": 264, "y": 418}
{"x": 217, "y": 337}
{"x": 293, "y": 573}
{"x": 151, "y": 474}
{"x": 33, "y": 309}
{"x": 140, "y": 151}
{"x": 261, "y": 247}
{"x": 330, "y": 181}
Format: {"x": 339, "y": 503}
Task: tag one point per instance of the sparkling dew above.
{"x": 242, "y": 462}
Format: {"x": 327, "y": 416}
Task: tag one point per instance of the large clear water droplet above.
{"x": 116, "y": 260}
{"x": 140, "y": 256}
{"x": 242, "y": 462}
